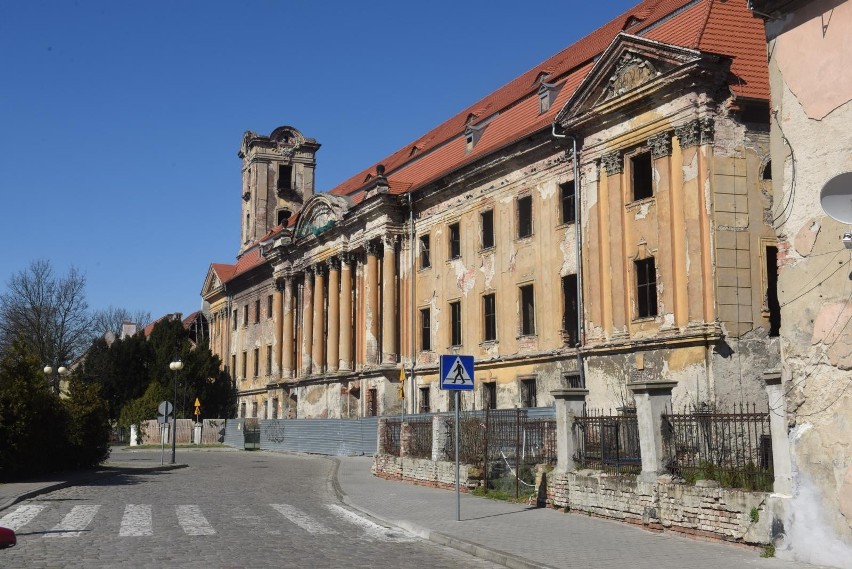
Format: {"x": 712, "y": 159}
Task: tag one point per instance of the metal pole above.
{"x": 174, "y": 421}
{"x": 517, "y": 449}
{"x": 458, "y": 495}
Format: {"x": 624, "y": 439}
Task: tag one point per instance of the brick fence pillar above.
{"x": 380, "y": 435}
{"x": 569, "y": 403}
{"x": 406, "y": 434}
{"x": 439, "y": 437}
{"x": 652, "y": 398}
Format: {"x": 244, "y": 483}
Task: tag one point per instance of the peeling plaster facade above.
{"x": 810, "y": 55}
{"x": 357, "y": 294}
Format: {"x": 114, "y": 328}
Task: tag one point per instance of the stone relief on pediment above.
{"x": 630, "y": 72}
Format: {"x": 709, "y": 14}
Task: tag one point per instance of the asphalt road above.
{"x": 228, "y": 509}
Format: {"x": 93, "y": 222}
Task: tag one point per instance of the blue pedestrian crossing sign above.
{"x": 457, "y": 372}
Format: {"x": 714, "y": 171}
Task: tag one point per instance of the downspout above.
{"x": 412, "y": 311}
{"x": 578, "y": 241}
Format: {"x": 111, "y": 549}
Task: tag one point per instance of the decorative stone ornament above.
{"x": 630, "y": 72}
{"x": 612, "y": 162}
{"x": 660, "y": 145}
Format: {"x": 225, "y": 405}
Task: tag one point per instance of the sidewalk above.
{"x": 14, "y": 492}
{"x": 521, "y": 537}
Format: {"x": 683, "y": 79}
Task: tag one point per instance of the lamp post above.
{"x": 175, "y": 366}
{"x": 54, "y": 379}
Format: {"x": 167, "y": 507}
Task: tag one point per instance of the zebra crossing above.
{"x": 138, "y": 520}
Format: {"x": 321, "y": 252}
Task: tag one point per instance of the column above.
{"x": 307, "y": 321}
{"x": 652, "y": 399}
{"x": 569, "y": 403}
{"x": 371, "y": 311}
{"x": 318, "y": 346}
{"x": 277, "y": 326}
{"x": 781, "y": 463}
{"x": 287, "y": 330}
{"x": 333, "y": 352}
{"x": 346, "y": 322}
{"x": 389, "y": 300}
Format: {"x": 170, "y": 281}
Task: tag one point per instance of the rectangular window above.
{"x": 487, "y": 220}
{"x": 567, "y": 202}
{"x": 234, "y": 366}
{"x": 235, "y": 320}
{"x": 570, "y": 324}
{"x": 489, "y": 314}
{"x": 425, "y": 329}
{"x": 527, "y": 310}
{"x": 641, "y": 174}
{"x": 257, "y": 311}
{"x": 256, "y": 362}
{"x": 254, "y": 409}
{"x": 245, "y": 315}
{"x": 455, "y": 241}
{"x": 274, "y": 408}
{"x": 425, "y": 406}
{"x": 489, "y": 395}
{"x": 268, "y": 360}
{"x": 772, "y": 291}
{"x": 425, "y": 259}
{"x": 269, "y": 306}
{"x": 646, "y": 287}
{"x": 372, "y": 402}
{"x": 525, "y": 221}
{"x": 243, "y": 409}
{"x": 245, "y": 365}
{"x": 285, "y": 177}
{"x": 455, "y": 324}
{"x": 528, "y": 393}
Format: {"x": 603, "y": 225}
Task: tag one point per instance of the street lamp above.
{"x": 175, "y": 366}
{"x": 62, "y": 371}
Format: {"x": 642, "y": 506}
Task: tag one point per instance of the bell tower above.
{"x": 277, "y": 179}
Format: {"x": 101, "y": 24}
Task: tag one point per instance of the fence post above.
{"x": 781, "y": 463}
{"x": 380, "y": 435}
{"x": 569, "y": 403}
{"x": 652, "y": 399}
{"x": 438, "y": 438}
{"x": 405, "y": 436}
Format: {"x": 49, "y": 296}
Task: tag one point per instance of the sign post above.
{"x": 164, "y": 411}
{"x": 457, "y": 375}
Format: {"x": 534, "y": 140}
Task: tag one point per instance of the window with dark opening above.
{"x": 283, "y": 216}
{"x": 525, "y": 222}
{"x": 646, "y": 287}
{"x": 234, "y": 366}
{"x": 489, "y": 395}
{"x": 641, "y": 173}
{"x": 570, "y": 323}
{"x": 235, "y": 320}
{"x": 245, "y": 315}
{"x": 274, "y": 408}
{"x": 767, "y": 171}
{"x": 243, "y": 409}
{"x": 425, "y": 330}
{"x": 257, "y": 311}
{"x": 245, "y": 365}
{"x": 772, "y": 291}
{"x": 527, "y": 310}
{"x": 285, "y": 177}
{"x": 268, "y": 360}
{"x": 489, "y": 313}
{"x": 425, "y": 406}
{"x": 455, "y": 324}
{"x": 425, "y": 259}
{"x": 455, "y": 241}
{"x": 256, "y": 362}
{"x": 372, "y": 402}
{"x": 528, "y": 393}
{"x": 487, "y": 219}
{"x": 269, "y": 306}
{"x": 566, "y": 201}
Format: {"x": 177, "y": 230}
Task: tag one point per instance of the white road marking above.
{"x": 302, "y": 519}
{"x": 373, "y": 530}
{"x": 137, "y": 521}
{"x": 21, "y": 516}
{"x": 193, "y": 521}
{"x": 73, "y": 524}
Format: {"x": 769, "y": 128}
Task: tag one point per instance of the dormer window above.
{"x": 546, "y": 95}
{"x": 469, "y": 140}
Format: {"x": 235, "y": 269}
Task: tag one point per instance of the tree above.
{"x": 48, "y": 313}
{"x": 111, "y": 319}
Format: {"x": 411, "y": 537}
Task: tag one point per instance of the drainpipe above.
{"x": 578, "y": 241}
{"x": 412, "y": 278}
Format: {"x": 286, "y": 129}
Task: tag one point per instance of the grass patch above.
{"x": 768, "y": 551}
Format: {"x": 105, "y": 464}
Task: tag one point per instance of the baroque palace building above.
{"x": 601, "y": 219}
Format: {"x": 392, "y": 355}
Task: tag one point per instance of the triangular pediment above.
{"x": 212, "y": 283}
{"x": 630, "y": 66}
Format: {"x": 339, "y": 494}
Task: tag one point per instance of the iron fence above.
{"x": 607, "y": 441}
{"x": 391, "y": 437}
{"x": 734, "y": 448}
{"x": 420, "y": 439}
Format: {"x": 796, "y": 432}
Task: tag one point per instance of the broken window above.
{"x": 569, "y": 309}
{"x": 455, "y": 241}
{"x": 490, "y": 394}
{"x": 455, "y": 324}
{"x": 641, "y": 173}
{"x": 235, "y": 320}
{"x": 257, "y": 311}
{"x": 268, "y": 360}
{"x": 283, "y": 216}
{"x": 256, "y": 362}
{"x": 487, "y": 222}
{"x": 254, "y": 409}
{"x": 525, "y": 221}
{"x": 245, "y": 365}
{"x": 245, "y": 315}
{"x": 489, "y": 313}
{"x": 528, "y": 393}
{"x": 425, "y": 330}
{"x": 269, "y": 306}
{"x": 425, "y": 406}
{"x": 425, "y": 259}
{"x": 274, "y": 408}
{"x": 285, "y": 177}
{"x": 527, "y": 299}
{"x": 646, "y": 287}
{"x": 567, "y": 202}
{"x": 233, "y": 366}
{"x": 372, "y": 402}
{"x": 243, "y": 409}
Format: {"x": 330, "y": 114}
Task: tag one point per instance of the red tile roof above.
{"x": 726, "y": 28}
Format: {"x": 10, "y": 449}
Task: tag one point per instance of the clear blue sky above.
{"x": 120, "y": 121}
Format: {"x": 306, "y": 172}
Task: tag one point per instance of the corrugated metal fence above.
{"x": 319, "y": 436}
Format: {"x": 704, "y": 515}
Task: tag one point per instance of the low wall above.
{"x": 702, "y": 510}
{"x": 438, "y": 474}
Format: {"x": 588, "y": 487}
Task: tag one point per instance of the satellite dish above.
{"x": 836, "y": 198}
